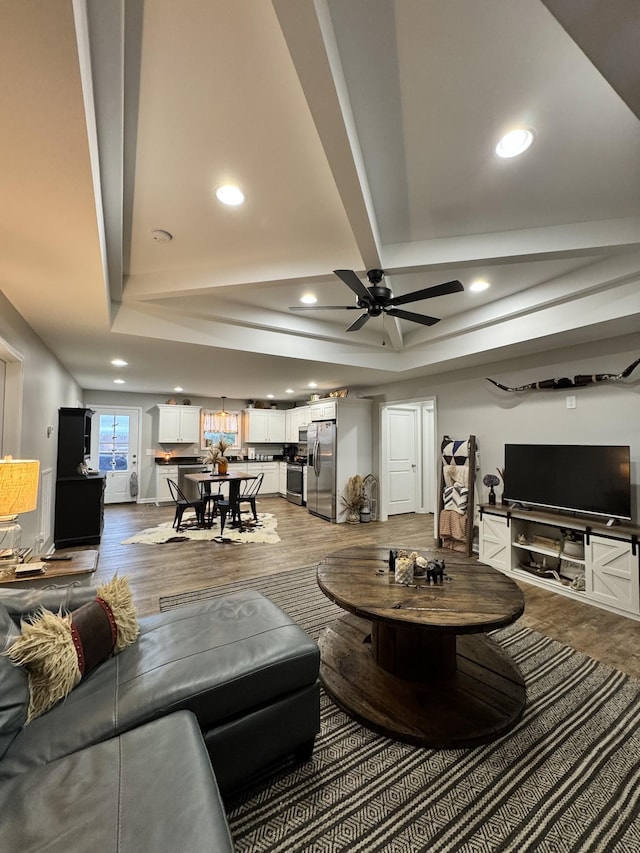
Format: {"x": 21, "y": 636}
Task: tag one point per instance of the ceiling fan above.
{"x": 376, "y": 299}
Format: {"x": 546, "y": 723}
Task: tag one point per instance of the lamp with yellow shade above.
{"x": 18, "y": 494}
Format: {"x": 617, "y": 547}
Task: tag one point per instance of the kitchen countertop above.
{"x": 195, "y": 460}
{"x": 178, "y": 460}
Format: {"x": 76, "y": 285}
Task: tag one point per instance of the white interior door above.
{"x": 402, "y": 459}
{"x": 114, "y": 451}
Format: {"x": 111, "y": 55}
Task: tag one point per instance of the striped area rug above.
{"x": 566, "y": 778}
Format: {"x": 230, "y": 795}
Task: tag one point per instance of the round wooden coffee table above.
{"x": 411, "y": 661}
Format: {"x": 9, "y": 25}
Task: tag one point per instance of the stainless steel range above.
{"x": 295, "y": 482}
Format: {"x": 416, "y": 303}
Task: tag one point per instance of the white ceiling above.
{"x": 362, "y": 132}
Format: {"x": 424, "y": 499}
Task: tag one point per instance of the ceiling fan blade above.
{"x": 324, "y": 307}
{"x": 415, "y": 318}
{"x": 359, "y": 323}
{"x": 352, "y": 281}
{"x": 428, "y": 293}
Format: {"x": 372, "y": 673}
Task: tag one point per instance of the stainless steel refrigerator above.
{"x": 321, "y": 469}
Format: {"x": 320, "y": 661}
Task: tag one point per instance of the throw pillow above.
{"x": 58, "y": 650}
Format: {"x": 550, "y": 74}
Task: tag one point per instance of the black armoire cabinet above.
{"x": 79, "y": 498}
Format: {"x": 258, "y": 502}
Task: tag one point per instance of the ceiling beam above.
{"x": 308, "y": 32}
{"x": 533, "y": 244}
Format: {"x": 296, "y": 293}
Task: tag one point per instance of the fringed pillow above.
{"x": 58, "y": 650}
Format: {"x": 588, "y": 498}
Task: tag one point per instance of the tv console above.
{"x": 585, "y": 559}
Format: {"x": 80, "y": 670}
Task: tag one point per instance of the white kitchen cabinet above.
{"x": 164, "y": 473}
{"x": 270, "y": 483}
{"x": 282, "y": 479}
{"x": 264, "y": 426}
{"x": 295, "y": 420}
{"x": 178, "y": 424}
{"x": 323, "y": 410}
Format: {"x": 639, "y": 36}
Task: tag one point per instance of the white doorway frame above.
{"x": 12, "y": 405}
{"x": 427, "y": 433}
{"x": 99, "y": 409}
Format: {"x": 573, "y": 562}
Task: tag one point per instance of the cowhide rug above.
{"x": 263, "y": 531}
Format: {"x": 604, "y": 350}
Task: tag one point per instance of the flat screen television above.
{"x": 581, "y": 478}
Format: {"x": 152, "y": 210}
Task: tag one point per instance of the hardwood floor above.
{"x": 156, "y": 570}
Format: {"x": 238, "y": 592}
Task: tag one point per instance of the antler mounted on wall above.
{"x": 577, "y": 381}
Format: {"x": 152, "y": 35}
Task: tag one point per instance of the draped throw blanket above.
{"x": 453, "y": 526}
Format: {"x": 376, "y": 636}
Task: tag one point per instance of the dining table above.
{"x": 233, "y": 478}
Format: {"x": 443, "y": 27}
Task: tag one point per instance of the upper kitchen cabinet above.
{"x": 264, "y": 426}
{"x": 296, "y": 419}
{"x": 324, "y": 410}
{"x": 178, "y": 424}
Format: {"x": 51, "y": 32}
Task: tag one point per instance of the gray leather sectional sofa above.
{"x": 136, "y": 758}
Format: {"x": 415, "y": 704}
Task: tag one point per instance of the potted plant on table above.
{"x": 215, "y": 456}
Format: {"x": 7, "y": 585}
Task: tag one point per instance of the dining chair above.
{"x": 183, "y": 503}
{"x": 211, "y": 502}
{"x": 249, "y": 494}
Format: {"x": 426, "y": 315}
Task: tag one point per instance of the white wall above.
{"x": 605, "y": 413}
{"x": 46, "y": 387}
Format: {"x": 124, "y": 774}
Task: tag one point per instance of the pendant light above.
{"x": 224, "y": 421}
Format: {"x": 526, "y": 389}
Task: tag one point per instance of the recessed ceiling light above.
{"x": 119, "y": 362}
{"x": 270, "y": 396}
{"x": 515, "y": 142}
{"x": 230, "y": 195}
{"x": 313, "y": 385}
{"x": 308, "y": 299}
{"x": 178, "y": 388}
{"x": 119, "y": 381}
{"x": 479, "y": 285}
{"x": 289, "y": 391}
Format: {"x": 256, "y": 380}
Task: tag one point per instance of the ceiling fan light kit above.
{"x": 376, "y": 299}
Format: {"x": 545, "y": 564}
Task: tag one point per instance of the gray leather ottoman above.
{"x": 148, "y": 791}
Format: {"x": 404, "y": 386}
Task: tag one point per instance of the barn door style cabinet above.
{"x": 79, "y": 504}
{"x": 586, "y": 560}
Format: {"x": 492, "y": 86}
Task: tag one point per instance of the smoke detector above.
{"x": 161, "y": 236}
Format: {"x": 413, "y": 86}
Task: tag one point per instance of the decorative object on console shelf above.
{"x": 490, "y": 480}
{"x": 577, "y": 381}
{"x": 18, "y": 493}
